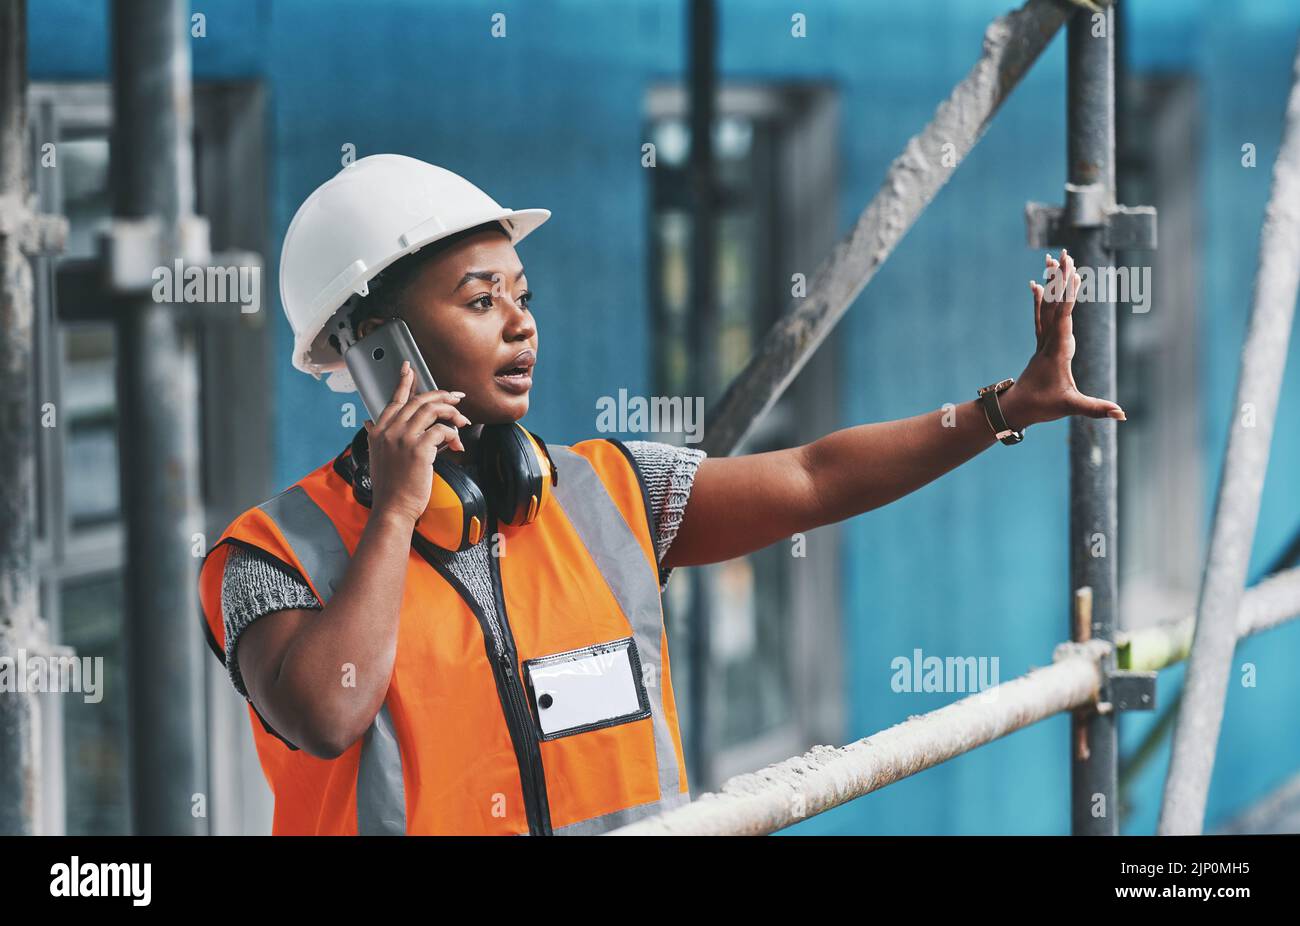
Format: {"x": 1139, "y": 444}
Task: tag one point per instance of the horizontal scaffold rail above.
{"x": 783, "y": 794}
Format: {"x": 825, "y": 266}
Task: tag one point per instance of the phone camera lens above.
{"x": 378, "y": 353}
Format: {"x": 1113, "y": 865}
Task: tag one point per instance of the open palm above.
{"x": 1048, "y": 386}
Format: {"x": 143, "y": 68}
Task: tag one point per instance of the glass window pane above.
{"x": 83, "y": 178}
{"x": 90, "y": 419}
{"x": 749, "y": 678}
{"x": 736, "y": 277}
{"x": 95, "y": 734}
{"x": 672, "y": 231}
{"x": 749, "y": 646}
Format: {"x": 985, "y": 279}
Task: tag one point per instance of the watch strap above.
{"x": 988, "y": 400}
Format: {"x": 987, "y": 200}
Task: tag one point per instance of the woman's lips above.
{"x": 517, "y": 378}
{"x": 517, "y": 383}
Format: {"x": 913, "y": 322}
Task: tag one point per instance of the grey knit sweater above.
{"x": 252, "y": 586}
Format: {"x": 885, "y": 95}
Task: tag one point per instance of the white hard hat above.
{"x": 355, "y": 224}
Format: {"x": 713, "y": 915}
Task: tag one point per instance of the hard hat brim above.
{"x": 519, "y": 222}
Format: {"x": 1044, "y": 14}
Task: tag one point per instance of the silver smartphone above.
{"x": 375, "y": 363}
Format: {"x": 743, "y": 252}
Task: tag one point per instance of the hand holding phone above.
{"x": 410, "y": 419}
{"x": 404, "y": 442}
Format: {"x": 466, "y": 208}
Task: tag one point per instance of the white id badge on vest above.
{"x": 586, "y": 689}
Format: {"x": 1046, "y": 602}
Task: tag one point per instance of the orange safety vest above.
{"x": 458, "y": 746}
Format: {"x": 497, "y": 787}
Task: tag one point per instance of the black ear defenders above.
{"x": 516, "y": 474}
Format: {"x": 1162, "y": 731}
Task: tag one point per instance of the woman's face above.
{"x": 468, "y": 312}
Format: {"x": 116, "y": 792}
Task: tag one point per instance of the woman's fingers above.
{"x": 1037, "y": 292}
{"x": 431, "y": 412}
{"x": 1091, "y": 407}
{"x": 1071, "y": 295}
{"x": 438, "y": 435}
{"x": 1054, "y": 290}
{"x": 1062, "y": 290}
{"x": 1072, "y": 282}
{"x": 400, "y": 395}
{"x": 419, "y": 400}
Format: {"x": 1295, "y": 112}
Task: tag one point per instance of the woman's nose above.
{"x": 519, "y": 320}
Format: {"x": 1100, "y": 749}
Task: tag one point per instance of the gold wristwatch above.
{"x": 988, "y": 400}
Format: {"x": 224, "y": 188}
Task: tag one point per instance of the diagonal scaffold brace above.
{"x": 1012, "y": 43}
{"x": 1236, "y": 513}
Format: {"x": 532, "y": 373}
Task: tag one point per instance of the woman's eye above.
{"x": 525, "y": 300}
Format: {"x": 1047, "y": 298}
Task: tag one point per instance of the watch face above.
{"x": 996, "y": 387}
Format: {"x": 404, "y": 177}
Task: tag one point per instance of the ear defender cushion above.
{"x": 357, "y": 469}
{"x": 457, "y": 507}
{"x": 511, "y": 473}
{"x": 457, "y": 513}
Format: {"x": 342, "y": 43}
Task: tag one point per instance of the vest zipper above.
{"x": 532, "y": 747}
{"x": 501, "y": 656}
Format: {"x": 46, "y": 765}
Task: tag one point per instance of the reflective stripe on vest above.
{"x": 605, "y": 822}
{"x": 312, "y": 535}
{"x": 620, "y": 554}
{"x": 381, "y": 792}
{"x": 600, "y": 524}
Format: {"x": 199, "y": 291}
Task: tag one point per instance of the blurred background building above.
{"x": 555, "y": 115}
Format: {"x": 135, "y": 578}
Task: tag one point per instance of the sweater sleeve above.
{"x": 252, "y": 586}
{"x": 669, "y": 472}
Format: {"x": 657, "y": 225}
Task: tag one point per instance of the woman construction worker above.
{"x": 504, "y": 669}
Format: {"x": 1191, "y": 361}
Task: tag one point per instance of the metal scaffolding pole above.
{"x": 788, "y": 792}
{"x": 792, "y": 790}
{"x": 1093, "y": 544}
{"x": 703, "y": 332}
{"x": 18, "y": 594}
{"x": 1259, "y": 382}
{"x": 23, "y": 234}
{"x": 1094, "y": 226}
{"x": 153, "y": 198}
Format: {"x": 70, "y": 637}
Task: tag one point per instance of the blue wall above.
{"x": 551, "y": 117}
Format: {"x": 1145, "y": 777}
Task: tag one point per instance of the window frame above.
{"x": 804, "y": 199}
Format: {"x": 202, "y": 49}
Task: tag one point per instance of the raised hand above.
{"x": 404, "y": 443}
{"x": 1046, "y": 390}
